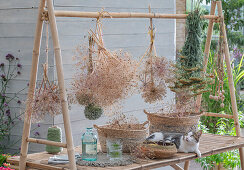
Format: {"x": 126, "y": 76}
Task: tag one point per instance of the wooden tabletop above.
{"x": 209, "y": 144}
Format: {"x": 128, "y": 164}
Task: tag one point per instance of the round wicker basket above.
{"x": 129, "y": 138}
{"x": 154, "y": 151}
{"x": 161, "y": 123}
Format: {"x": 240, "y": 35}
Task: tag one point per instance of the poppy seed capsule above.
{"x": 216, "y": 98}
{"x": 210, "y": 96}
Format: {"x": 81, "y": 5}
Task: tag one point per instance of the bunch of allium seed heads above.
{"x": 154, "y": 73}
{"x": 46, "y": 99}
{"x": 103, "y": 77}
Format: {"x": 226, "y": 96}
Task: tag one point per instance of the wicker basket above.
{"x": 161, "y": 123}
{"x": 154, "y": 151}
{"x": 129, "y": 138}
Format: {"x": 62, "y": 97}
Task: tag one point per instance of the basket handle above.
{"x": 145, "y": 112}
{"x": 95, "y": 126}
{"x": 143, "y": 124}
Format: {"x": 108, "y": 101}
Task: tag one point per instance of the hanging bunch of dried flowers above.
{"x": 154, "y": 73}
{"x": 189, "y": 78}
{"x": 218, "y": 72}
{"x": 104, "y": 78}
{"x": 46, "y": 100}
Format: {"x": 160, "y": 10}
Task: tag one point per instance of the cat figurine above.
{"x": 188, "y": 142}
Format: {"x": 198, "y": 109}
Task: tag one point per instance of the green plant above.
{"x": 214, "y": 106}
{"x": 233, "y": 11}
{"x": 3, "y": 160}
{"x": 9, "y": 70}
{"x": 230, "y": 159}
{"x": 189, "y": 80}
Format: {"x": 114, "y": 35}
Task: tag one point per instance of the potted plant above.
{"x": 188, "y": 81}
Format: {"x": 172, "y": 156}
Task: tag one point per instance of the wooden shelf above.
{"x": 209, "y": 145}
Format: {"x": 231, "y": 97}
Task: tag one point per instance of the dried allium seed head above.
{"x": 152, "y": 93}
{"x": 153, "y": 78}
{"x": 46, "y": 101}
{"x": 111, "y": 80}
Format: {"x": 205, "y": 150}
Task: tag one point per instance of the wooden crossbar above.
{"x": 124, "y": 15}
{"x": 218, "y": 115}
{"x": 47, "y": 142}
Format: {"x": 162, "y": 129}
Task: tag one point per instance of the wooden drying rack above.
{"x": 51, "y": 15}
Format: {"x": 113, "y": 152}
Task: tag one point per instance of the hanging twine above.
{"x": 218, "y": 70}
{"x": 54, "y": 134}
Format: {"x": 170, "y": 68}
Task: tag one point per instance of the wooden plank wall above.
{"x": 17, "y": 26}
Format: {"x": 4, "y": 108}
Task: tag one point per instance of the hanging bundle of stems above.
{"x": 189, "y": 79}
{"x": 218, "y": 71}
{"x": 46, "y": 99}
{"x": 154, "y": 74}
{"x": 109, "y": 77}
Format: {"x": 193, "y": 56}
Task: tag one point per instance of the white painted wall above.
{"x": 17, "y": 26}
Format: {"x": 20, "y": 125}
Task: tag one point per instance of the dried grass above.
{"x": 121, "y": 121}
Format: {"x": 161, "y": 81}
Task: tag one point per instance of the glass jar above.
{"x": 89, "y": 145}
{"x": 114, "y": 149}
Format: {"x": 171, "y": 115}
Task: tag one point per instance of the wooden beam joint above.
{"x": 44, "y": 16}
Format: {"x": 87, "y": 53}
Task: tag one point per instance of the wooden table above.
{"x": 209, "y": 144}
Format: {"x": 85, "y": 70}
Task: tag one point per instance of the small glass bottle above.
{"x": 89, "y": 145}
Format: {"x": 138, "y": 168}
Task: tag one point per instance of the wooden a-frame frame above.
{"x": 59, "y": 66}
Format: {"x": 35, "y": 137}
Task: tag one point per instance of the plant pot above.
{"x": 129, "y": 138}
{"x": 164, "y": 123}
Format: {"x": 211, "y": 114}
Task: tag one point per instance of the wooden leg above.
{"x": 207, "y": 48}
{"x": 187, "y": 164}
{"x": 32, "y": 85}
{"x": 176, "y": 167}
{"x": 230, "y": 80}
{"x": 60, "y": 74}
